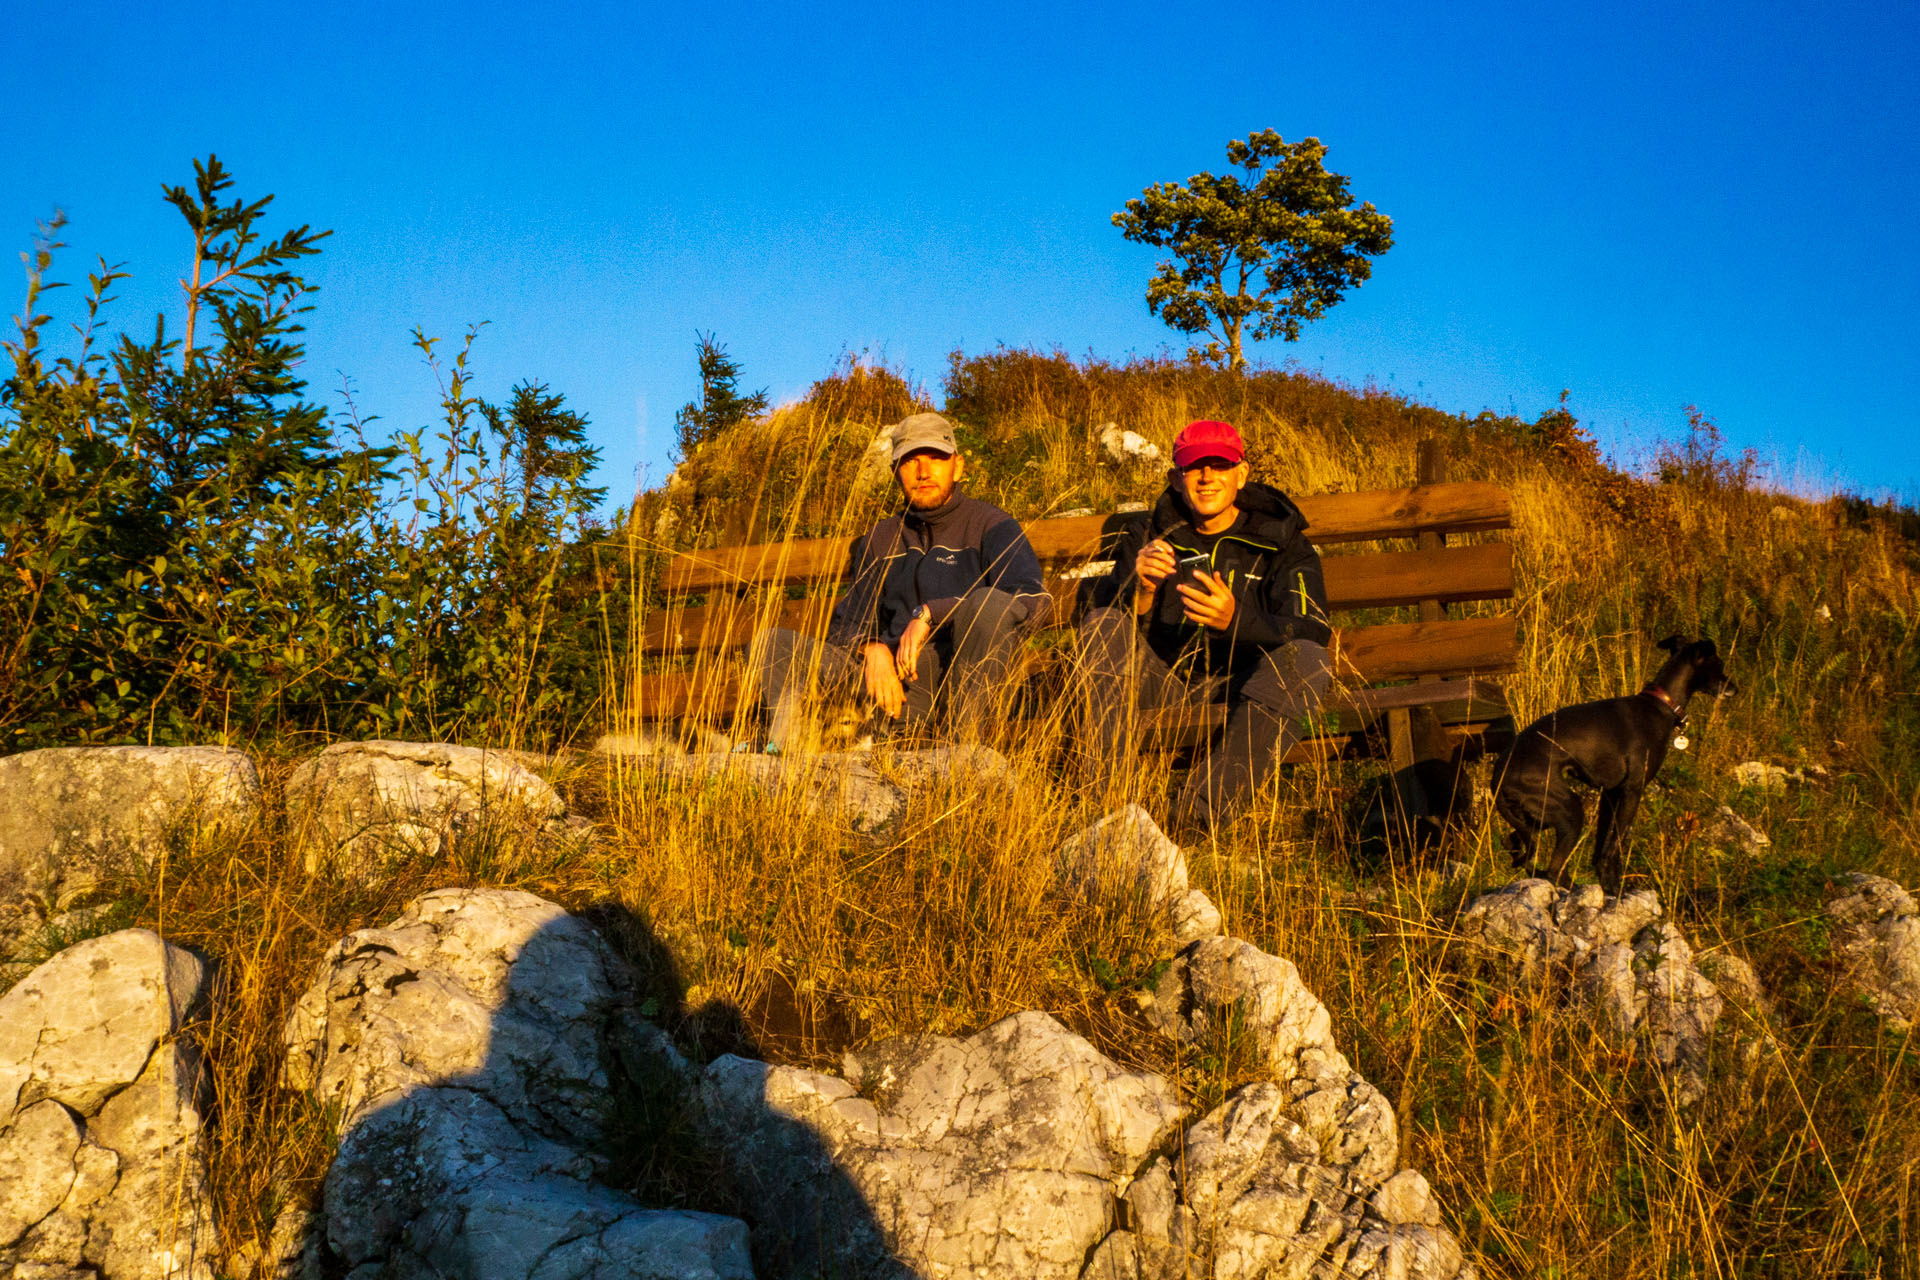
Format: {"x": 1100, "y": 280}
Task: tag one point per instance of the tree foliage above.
{"x": 191, "y": 548}
{"x": 1276, "y": 244}
{"x": 720, "y": 404}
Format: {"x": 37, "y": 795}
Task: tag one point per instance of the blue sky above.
{"x": 1651, "y": 207}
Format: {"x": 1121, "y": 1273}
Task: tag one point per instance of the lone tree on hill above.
{"x": 720, "y": 404}
{"x": 1290, "y": 222}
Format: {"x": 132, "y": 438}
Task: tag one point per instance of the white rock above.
{"x": 1879, "y": 938}
{"x": 466, "y": 1045}
{"x": 1633, "y": 968}
{"x": 867, "y": 791}
{"x": 1225, "y": 1148}
{"x": 1265, "y": 1203}
{"x": 1124, "y": 856}
{"x": 1766, "y": 777}
{"x": 1730, "y": 829}
{"x": 1127, "y": 446}
{"x": 66, "y": 810}
{"x": 102, "y": 1155}
{"x": 996, "y": 1156}
{"x": 637, "y": 744}
{"x": 1219, "y": 983}
{"x": 374, "y": 801}
{"x": 1194, "y": 917}
{"x": 1406, "y": 1199}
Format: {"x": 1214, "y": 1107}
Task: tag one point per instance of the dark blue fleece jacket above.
{"x": 934, "y": 558}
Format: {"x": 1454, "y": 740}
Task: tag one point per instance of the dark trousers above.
{"x": 959, "y": 673}
{"x": 1123, "y": 680}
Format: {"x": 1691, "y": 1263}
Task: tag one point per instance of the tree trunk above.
{"x": 1236, "y": 362}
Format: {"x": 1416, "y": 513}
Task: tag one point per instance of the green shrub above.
{"x": 194, "y": 551}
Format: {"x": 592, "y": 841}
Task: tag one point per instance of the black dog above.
{"x": 1615, "y": 746}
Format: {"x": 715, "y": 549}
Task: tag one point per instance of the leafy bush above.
{"x": 194, "y": 551}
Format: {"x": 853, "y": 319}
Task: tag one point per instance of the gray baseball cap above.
{"x": 923, "y": 431}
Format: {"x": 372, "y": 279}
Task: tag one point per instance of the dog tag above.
{"x": 1679, "y": 742}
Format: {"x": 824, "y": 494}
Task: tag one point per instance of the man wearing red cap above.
{"x": 1215, "y": 597}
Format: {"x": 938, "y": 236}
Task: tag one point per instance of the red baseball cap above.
{"x": 1207, "y": 439}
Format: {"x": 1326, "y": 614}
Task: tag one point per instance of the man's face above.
{"x": 1211, "y": 485}
{"x": 927, "y": 477}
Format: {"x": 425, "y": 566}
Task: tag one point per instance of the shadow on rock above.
{"x": 496, "y": 1083}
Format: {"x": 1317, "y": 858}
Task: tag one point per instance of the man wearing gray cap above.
{"x": 940, "y": 595}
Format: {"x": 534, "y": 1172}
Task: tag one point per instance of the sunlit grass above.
{"x": 755, "y": 924}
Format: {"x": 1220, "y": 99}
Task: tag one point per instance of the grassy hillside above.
{"x": 758, "y": 926}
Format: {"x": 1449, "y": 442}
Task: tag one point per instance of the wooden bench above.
{"x": 1385, "y": 669}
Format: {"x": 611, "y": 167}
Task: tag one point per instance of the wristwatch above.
{"x": 925, "y": 614}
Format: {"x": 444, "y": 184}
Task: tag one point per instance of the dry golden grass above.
{"x": 756, "y": 924}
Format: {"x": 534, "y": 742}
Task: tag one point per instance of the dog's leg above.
{"x": 1566, "y": 813}
{"x": 1521, "y": 842}
{"x": 1611, "y": 829}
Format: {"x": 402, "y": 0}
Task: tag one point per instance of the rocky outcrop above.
{"x": 1261, "y": 1201}
{"x": 999, "y": 1155}
{"x": 1126, "y": 856}
{"x": 1022, "y": 1152}
{"x": 1222, "y": 990}
{"x": 866, "y": 790}
{"x": 1878, "y": 936}
{"x": 367, "y": 803}
{"x": 102, "y": 1160}
{"x": 1628, "y": 963}
{"x": 470, "y": 1047}
{"x": 66, "y": 812}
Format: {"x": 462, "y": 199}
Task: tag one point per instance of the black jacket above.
{"x": 1271, "y": 568}
{"x": 934, "y": 558}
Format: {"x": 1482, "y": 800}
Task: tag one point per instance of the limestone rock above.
{"x": 1879, "y": 938}
{"x": 1530, "y": 922}
{"x": 66, "y": 811}
{"x": 1761, "y": 776}
{"x": 1125, "y": 855}
{"x": 866, "y": 790}
{"x": 469, "y": 1046}
{"x": 692, "y": 740}
{"x": 1000, "y": 1155}
{"x": 1219, "y": 989}
{"x": 374, "y": 801}
{"x": 441, "y": 1182}
{"x": 1265, "y": 1203}
{"x": 502, "y": 990}
{"x": 102, "y": 1160}
{"x": 1736, "y": 833}
{"x": 1129, "y": 447}
{"x": 1633, "y": 968}
{"x": 1194, "y": 917}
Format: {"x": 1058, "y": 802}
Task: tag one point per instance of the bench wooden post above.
{"x": 1430, "y": 468}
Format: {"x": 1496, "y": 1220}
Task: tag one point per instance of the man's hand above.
{"x": 1207, "y": 601}
{"x": 1150, "y": 568}
{"x": 907, "y": 661}
{"x": 1155, "y": 561}
{"x": 883, "y": 684}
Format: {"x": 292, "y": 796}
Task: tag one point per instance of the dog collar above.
{"x": 1665, "y": 699}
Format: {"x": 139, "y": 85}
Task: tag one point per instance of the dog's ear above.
{"x": 1672, "y": 643}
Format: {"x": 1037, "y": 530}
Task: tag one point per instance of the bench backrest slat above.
{"x": 1463, "y": 507}
{"x": 1483, "y": 571}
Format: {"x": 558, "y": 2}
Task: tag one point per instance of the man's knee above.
{"x": 987, "y": 611}
{"x": 1291, "y": 678}
{"x": 1105, "y": 631}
